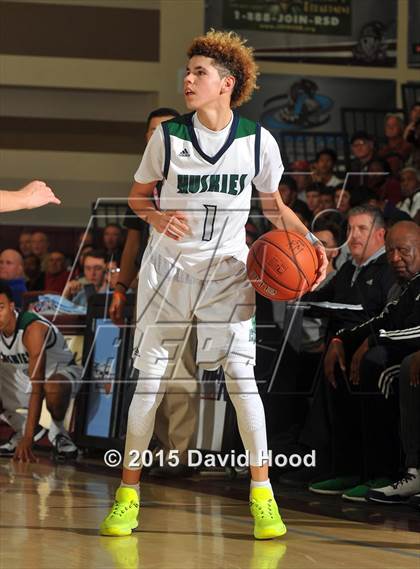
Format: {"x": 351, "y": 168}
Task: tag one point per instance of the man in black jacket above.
{"x": 391, "y": 341}
{"x": 359, "y": 291}
{"x": 365, "y": 280}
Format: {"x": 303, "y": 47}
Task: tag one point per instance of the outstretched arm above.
{"x": 35, "y": 194}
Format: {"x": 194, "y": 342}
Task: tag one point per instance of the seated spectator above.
{"x": 301, "y": 172}
{"x": 380, "y": 180}
{"x": 326, "y": 198}
{"x": 25, "y": 247}
{"x": 364, "y": 195}
{"x": 376, "y": 350}
{"x": 313, "y": 198}
{"x": 35, "y": 278}
{"x": 84, "y": 239}
{"x": 363, "y": 150}
{"x": 342, "y": 200}
{"x": 39, "y": 246}
{"x": 394, "y": 129}
{"x": 414, "y": 118}
{"x": 94, "y": 268}
{"x": 78, "y": 270}
{"x": 324, "y": 165}
{"x": 113, "y": 241}
{"x": 410, "y": 186}
{"x": 56, "y": 275}
{"x": 364, "y": 282}
{"x": 365, "y": 279}
{"x": 396, "y": 163}
{"x": 11, "y": 271}
{"x": 313, "y": 328}
{"x": 289, "y": 191}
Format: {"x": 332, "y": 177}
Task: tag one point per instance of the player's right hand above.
{"x": 173, "y": 224}
{"x": 116, "y": 310}
{"x": 23, "y": 452}
{"x": 36, "y": 194}
{"x": 335, "y": 353}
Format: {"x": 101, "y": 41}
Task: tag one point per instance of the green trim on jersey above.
{"x": 26, "y": 318}
{"x": 178, "y": 127}
{"x": 246, "y": 127}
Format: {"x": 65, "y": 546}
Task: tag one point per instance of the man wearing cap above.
{"x": 363, "y": 150}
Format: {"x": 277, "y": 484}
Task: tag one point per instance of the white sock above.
{"x": 261, "y": 484}
{"x": 415, "y": 471}
{"x": 135, "y": 487}
{"x": 56, "y": 428}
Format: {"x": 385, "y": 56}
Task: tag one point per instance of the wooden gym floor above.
{"x": 49, "y": 516}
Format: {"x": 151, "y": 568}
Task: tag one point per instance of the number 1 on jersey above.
{"x": 209, "y": 222}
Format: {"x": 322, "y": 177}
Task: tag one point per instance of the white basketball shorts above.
{"x": 167, "y": 301}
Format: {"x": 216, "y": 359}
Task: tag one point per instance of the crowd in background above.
{"x": 382, "y": 187}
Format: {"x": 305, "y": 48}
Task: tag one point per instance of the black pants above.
{"x": 410, "y": 416}
{"x": 363, "y": 426}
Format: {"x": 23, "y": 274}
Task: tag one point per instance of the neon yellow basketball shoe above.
{"x": 123, "y": 517}
{"x": 267, "y": 520}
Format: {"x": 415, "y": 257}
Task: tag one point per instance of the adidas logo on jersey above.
{"x": 184, "y": 153}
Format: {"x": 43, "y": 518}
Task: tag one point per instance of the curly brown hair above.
{"x": 229, "y": 52}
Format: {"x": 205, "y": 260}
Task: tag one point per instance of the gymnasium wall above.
{"x": 77, "y": 81}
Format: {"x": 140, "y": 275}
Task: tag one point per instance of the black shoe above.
{"x": 64, "y": 448}
{"x": 168, "y": 471}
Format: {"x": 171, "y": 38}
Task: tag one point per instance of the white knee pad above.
{"x": 243, "y": 391}
{"x": 141, "y": 415}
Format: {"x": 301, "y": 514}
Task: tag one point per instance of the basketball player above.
{"x": 176, "y": 417}
{"x": 35, "y": 194}
{"x": 35, "y": 362}
{"x": 194, "y": 264}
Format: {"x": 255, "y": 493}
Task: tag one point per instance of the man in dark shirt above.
{"x": 363, "y": 151}
{"x": 289, "y": 191}
{"x": 382, "y": 350}
{"x": 358, "y": 291}
{"x": 176, "y": 417}
{"x": 363, "y": 281}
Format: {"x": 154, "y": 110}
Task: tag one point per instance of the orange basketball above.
{"x": 282, "y": 265}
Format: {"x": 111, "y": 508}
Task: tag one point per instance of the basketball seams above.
{"x": 268, "y": 274}
{"x": 294, "y": 260}
{"x": 286, "y": 249}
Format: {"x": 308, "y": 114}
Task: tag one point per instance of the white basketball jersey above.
{"x": 14, "y": 357}
{"x": 214, "y": 191}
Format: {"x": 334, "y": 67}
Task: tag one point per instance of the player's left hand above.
{"x": 415, "y": 370}
{"x": 356, "y": 361}
{"x": 322, "y": 265}
{"x": 36, "y": 194}
{"x": 23, "y": 452}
